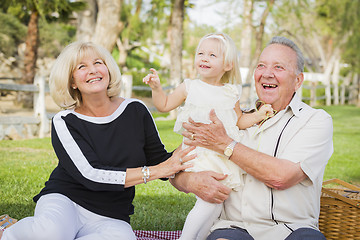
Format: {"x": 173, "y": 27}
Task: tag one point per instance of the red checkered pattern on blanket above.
{"x": 157, "y": 235}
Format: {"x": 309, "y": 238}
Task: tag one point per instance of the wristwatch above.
{"x": 229, "y": 149}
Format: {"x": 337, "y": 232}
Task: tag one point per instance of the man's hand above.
{"x": 204, "y": 184}
{"x": 212, "y": 136}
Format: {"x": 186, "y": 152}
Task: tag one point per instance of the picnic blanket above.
{"x": 6, "y": 221}
{"x": 157, "y": 235}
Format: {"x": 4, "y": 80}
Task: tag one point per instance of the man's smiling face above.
{"x": 276, "y": 76}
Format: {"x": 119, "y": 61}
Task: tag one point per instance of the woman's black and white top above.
{"x": 94, "y": 153}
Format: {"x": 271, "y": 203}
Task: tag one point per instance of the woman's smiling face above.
{"x": 276, "y": 78}
{"x": 91, "y": 75}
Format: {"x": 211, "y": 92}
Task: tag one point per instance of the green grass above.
{"x": 345, "y": 161}
{"x": 25, "y": 165}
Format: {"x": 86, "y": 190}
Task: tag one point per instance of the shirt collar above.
{"x": 294, "y": 105}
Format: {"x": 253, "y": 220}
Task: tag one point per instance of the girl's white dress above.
{"x": 201, "y": 98}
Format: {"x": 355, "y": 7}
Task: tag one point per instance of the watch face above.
{"x": 228, "y": 152}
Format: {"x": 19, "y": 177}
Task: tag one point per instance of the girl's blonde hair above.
{"x": 61, "y": 76}
{"x": 231, "y": 57}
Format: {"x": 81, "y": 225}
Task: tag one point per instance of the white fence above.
{"x": 24, "y": 126}
{"x": 347, "y": 92}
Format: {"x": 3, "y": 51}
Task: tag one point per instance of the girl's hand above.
{"x": 176, "y": 162}
{"x": 266, "y": 111}
{"x": 152, "y": 79}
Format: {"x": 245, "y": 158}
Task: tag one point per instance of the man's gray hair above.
{"x": 287, "y": 42}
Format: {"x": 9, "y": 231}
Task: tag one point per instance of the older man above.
{"x": 284, "y": 157}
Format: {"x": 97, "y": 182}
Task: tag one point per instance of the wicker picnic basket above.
{"x": 340, "y": 210}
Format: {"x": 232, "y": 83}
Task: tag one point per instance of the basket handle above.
{"x": 338, "y": 196}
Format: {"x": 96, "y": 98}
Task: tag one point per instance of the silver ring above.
{"x": 180, "y": 160}
{"x": 192, "y": 136}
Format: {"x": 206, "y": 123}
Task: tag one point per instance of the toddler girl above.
{"x": 218, "y": 88}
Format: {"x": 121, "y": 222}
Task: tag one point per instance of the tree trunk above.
{"x": 123, "y": 53}
{"x": 327, "y": 75}
{"x": 176, "y": 44}
{"x": 248, "y": 93}
{"x": 86, "y": 21}
{"x": 32, "y": 44}
{"x": 245, "y": 47}
{"x": 319, "y": 47}
{"x": 108, "y": 25}
{"x": 123, "y": 43}
{"x": 25, "y": 99}
{"x": 176, "y": 41}
{"x": 353, "y": 93}
{"x": 308, "y": 49}
{"x": 344, "y": 87}
{"x": 335, "y": 80}
{"x": 355, "y": 90}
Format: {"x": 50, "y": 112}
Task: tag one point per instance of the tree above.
{"x": 327, "y": 33}
{"x": 100, "y": 22}
{"x": 12, "y": 33}
{"x": 343, "y": 20}
{"x": 130, "y": 35}
{"x": 176, "y": 41}
{"x": 108, "y": 25}
{"x": 258, "y": 30}
{"x": 259, "y": 36}
{"x": 86, "y": 21}
{"x": 29, "y": 11}
{"x": 245, "y": 47}
{"x": 32, "y": 45}
{"x": 114, "y": 19}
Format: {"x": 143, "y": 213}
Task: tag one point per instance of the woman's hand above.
{"x": 175, "y": 163}
{"x": 172, "y": 165}
{"x": 212, "y": 136}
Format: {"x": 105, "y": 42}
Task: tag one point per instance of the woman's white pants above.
{"x": 58, "y": 218}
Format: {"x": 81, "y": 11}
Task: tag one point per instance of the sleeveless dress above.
{"x": 201, "y": 98}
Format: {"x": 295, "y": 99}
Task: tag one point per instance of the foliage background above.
{"x": 321, "y": 28}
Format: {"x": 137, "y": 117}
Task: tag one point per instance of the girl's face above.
{"x": 209, "y": 61}
{"x": 91, "y": 75}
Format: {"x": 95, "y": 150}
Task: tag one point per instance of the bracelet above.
{"x": 146, "y": 173}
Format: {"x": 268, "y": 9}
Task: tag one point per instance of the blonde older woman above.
{"x": 105, "y": 145}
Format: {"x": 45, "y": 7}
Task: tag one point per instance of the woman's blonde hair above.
{"x": 61, "y": 76}
{"x": 231, "y": 57}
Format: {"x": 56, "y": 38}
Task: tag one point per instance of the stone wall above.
{"x": 16, "y": 127}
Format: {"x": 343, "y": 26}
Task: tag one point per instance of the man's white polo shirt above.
{"x": 298, "y": 133}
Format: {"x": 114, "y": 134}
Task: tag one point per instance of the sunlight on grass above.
{"x": 157, "y": 201}
{"x": 344, "y": 163}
